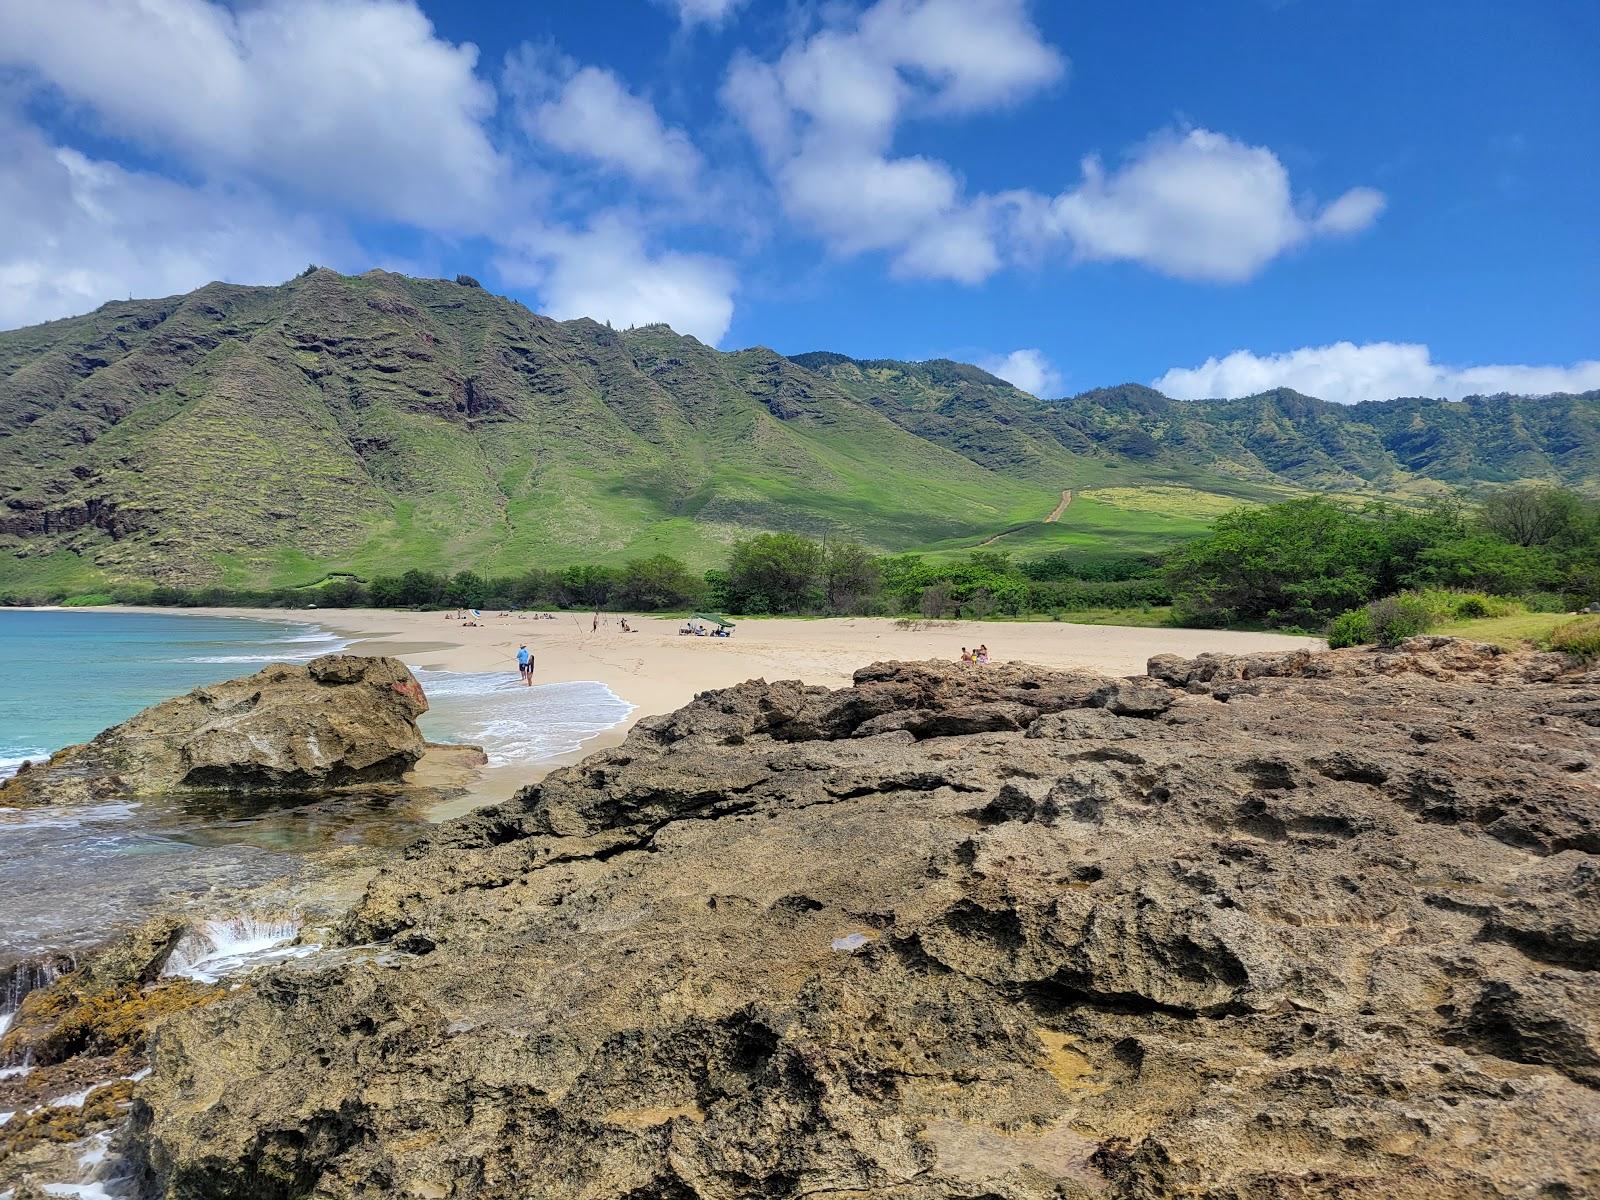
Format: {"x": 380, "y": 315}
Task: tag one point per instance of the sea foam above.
{"x": 226, "y": 946}
{"x": 515, "y": 723}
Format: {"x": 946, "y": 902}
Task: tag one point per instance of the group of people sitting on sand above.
{"x": 979, "y": 654}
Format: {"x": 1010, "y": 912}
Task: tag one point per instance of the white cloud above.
{"x": 977, "y": 53}
{"x": 1352, "y": 212}
{"x": 1347, "y": 373}
{"x": 1199, "y": 205}
{"x": 883, "y": 200}
{"x": 590, "y": 113}
{"x": 79, "y": 231}
{"x": 707, "y": 12}
{"x": 1196, "y": 205}
{"x": 1029, "y": 370}
{"x": 824, "y": 116}
{"x": 607, "y": 272}
{"x": 353, "y": 101}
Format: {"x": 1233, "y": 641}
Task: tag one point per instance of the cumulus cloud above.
{"x": 607, "y": 271}
{"x": 704, "y": 12}
{"x": 79, "y": 231}
{"x": 353, "y": 101}
{"x": 1029, "y": 370}
{"x": 1197, "y": 205}
{"x": 1348, "y": 373}
{"x": 590, "y": 113}
{"x": 976, "y": 53}
{"x": 825, "y": 113}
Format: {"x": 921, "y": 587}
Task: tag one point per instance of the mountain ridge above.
{"x": 241, "y": 433}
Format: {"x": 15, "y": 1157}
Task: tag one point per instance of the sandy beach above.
{"x": 657, "y": 669}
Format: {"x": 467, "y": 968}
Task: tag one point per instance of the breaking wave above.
{"x": 13, "y": 757}
{"x": 514, "y": 723}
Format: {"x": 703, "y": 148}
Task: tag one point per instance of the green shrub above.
{"x": 90, "y": 600}
{"x": 1395, "y": 618}
{"x": 1545, "y": 602}
{"x": 1580, "y": 638}
{"x": 1451, "y": 604}
{"x": 1353, "y": 628}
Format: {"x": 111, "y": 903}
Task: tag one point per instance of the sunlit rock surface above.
{"x": 1289, "y": 925}
{"x": 339, "y": 720}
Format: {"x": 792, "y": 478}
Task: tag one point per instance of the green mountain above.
{"x": 371, "y": 423}
{"x": 1275, "y": 438}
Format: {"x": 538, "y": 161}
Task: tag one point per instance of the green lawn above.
{"x": 1512, "y": 632}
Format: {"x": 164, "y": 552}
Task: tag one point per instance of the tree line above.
{"x": 767, "y": 573}
{"x": 1298, "y": 564}
{"x": 1304, "y": 562}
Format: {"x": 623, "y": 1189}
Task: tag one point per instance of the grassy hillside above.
{"x": 376, "y": 422}
{"x": 245, "y": 435}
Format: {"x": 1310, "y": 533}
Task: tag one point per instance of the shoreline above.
{"x": 657, "y": 670}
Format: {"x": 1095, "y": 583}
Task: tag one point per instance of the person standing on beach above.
{"x": 525, "y": 665}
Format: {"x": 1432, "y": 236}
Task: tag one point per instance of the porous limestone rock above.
{"x": 1290, "y": 925}
{"x": 340, "y": 719}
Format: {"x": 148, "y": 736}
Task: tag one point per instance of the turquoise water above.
{"x": 65, "y": 676}
{"x": 68, "y": 875}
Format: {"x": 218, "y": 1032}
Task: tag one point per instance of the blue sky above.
{"x": 1352, "y": 197}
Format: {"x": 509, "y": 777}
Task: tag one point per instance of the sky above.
{"x": 1354, "y": 198}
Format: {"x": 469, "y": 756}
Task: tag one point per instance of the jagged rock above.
{"x": 1321, "y": 926}
{"x": 80, "y": 1036}
{"x": 340, "y": 719}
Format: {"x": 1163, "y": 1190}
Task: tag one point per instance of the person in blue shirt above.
{"x": 525, "y": 665}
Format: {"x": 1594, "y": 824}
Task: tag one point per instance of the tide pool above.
{"x": 70, "y": 874}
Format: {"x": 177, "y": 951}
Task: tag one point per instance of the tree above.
{"x": 385, "y": 592}
{"x": 588, "y": 586}
{"x": 774, "y": 572}
{"x": 421, "y": 589}
{"x": 851, "y": 577}
{"x": 468, "y": 589}
{"x": 935, "y": 600}
{"x": 343, "y": 592}
{"x": 1301, "y": 560}
{"x": 1531, "y": 516}
{"x": 657, "y": 582}
{"x": 1488, "y": 563}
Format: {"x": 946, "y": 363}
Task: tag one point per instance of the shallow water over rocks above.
{"x": 71, "y": 876}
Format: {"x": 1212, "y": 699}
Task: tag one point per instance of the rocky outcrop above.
{"x": 1295, "y": 925}
{"x": 340, "y": 719}
{"x": 75, "y": 1048}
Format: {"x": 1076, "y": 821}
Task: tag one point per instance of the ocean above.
{"x": 68, "y": 874}
{"x": 66, "y": 675}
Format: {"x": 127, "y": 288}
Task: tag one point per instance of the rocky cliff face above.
{"x": 1297, "y": 925}
{"x": 340, "y": 719}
